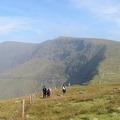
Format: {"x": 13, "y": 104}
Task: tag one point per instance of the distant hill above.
{"x": 54, "y": 62}
{"x": 13, "y": 54}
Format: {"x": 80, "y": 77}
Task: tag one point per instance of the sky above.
{"x": 35, "y": 21}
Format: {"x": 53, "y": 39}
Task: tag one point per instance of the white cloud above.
{"x": 16, "y": 24}
{"x": 106, "y": 12}
{"x": 106, "y": 9}
{"x": 10, "y": 24}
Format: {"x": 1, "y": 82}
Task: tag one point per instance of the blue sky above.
{"x": 35, "y": 21}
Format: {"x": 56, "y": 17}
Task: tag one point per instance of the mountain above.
{"x": 13, "y": 54}
{"x": 54, "y": 62}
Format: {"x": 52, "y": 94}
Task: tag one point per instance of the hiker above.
{"x": 48, "y": 92}
{"x": 63, "y": 89}
{"x": 44, "y": 92}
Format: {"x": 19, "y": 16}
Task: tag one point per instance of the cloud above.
{"x": 106, "y": 13}
{"x": 11, "y": 24}
{"x": 106, "y": 9}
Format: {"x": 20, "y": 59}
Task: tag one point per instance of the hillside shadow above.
{"x": 86, "y": 72}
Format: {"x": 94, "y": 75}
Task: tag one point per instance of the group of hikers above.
{"x": 47, "y": 91}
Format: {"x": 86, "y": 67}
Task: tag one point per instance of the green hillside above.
{"x": 63, "y": 60}
{"x": 92, "y": 102}
{"x": 109, "y": 68}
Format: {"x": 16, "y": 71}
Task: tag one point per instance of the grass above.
{"x": 9, "y": 108}
{"x": 93, "y": 102}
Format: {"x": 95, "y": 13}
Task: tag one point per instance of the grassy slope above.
{"x": 109, "y": 68}
{"x": 79, "y": 103}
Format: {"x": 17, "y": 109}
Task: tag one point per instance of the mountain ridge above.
{"x": 64, "y": 60}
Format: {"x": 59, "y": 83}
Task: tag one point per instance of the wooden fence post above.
{"x": 30, "y": 99}
{"x": 23, "y": 106}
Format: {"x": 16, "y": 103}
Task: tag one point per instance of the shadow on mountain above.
{"x": 83, "y": 73}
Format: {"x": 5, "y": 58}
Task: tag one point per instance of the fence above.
{"x": 22, "y": 107}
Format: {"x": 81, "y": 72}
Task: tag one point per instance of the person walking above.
{"x": 48, "y": 92}
{"x": 63, "y": 89}
{"x": 44, "y": 92}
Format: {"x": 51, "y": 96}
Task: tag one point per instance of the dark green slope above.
{"x": 65, "y": 60}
